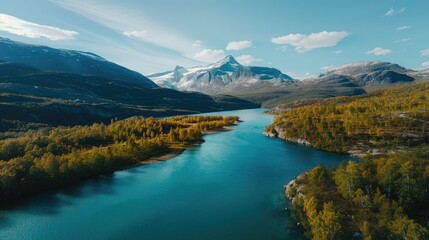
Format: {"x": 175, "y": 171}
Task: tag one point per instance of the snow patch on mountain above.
{"x": 224, "y": 76}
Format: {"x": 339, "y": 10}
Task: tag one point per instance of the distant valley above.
{"x": 270, "y": 87}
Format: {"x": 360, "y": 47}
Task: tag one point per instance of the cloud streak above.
{"x": 402, "y": 28}
{"x": 239, "y": 45}
{"x": 424, "y": 52}
{"x": 378, "y": 51}
{"x": 135, "y": 34}
{"x": 129, "y": 22}
{"x": 28, "y": 29}
{"x": 392, "y": 12}
{"x": 304, "y": 43}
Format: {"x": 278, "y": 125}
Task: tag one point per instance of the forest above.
{"x": 382, "y": 122}
{"x": 384, "y": 195}
{"x": 50, "y": 157}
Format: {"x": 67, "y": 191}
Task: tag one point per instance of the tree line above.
{"x": 383, "y": 198}
{"x": 51, "y": 157}
{"x": 397, "y": 117}
{"x": 385, "y": 194}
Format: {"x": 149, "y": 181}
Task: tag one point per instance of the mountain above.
{"x": 226, "y": 76}
{"x": 362, "y": 68}
{"x": 29, "y": 94}
{"x": 32, "y": 95}
{"x": 68, "y": 61}
{"x": 271, "y": 87}
{"x": 421, "y": 75}
{"x": 346, "y": 80}
{"x": 372, "y": 74}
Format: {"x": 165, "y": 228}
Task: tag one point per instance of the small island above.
{"x": 49, "y": 157}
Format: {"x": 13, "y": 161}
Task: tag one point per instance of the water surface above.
{"x": 230, "y": 187}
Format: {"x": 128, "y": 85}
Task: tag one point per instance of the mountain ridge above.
{"x": 68, "y": 61}
{"x": 226, "y": 76}
{"x": 54, "y": 97}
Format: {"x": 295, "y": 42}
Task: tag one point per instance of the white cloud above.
{"x": 338, "y": 52}
{"x": 425, "y": 64}
{"x": 378, "y": 51}
{"x": 27, "y": 29}
{"x": 401, "y": 28}
{"x": 239, "y": 45}
{"x": 122, "y": 19}
{"x": 247, "y": 59}
{"x": 135, "y": 34}
{"x": 325, "y": 68}
{"x": 304, "y": 43}
{"x": 424, "y": 52}
{"x": 210, "y": 55}
{"x": 392, "y": 12}
{"x": 197, "y": 43}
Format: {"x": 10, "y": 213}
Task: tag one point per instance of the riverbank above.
{"x": 221, "y": 188}
{"x": 172, "y": 153}
{"x": 164, "y": 156}
{"x": 386, "y": 130}
{"x": 49, "y": 159}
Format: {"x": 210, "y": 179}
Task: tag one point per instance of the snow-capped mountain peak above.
{"x": 180, "y": 69}
{"x": 227, "y": 64}
{"x": 224, "y": 76}
{"x": 230, "y": 60}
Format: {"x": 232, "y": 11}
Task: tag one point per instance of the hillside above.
{"x": 43, "y": 96}
{"x": 68, "y": 61}
{"x": 382, "y": 196}
{"x": 348, "y": 80}
{"x": 361, "y": 124}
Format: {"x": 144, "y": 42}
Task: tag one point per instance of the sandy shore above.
{"x": 173, "y": 152}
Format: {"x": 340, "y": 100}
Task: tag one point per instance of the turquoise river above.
{"x": 230, "y": 187}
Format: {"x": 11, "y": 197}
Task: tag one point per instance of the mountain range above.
{"x": 57, "y": 86}
{"x": 269, "y": 86}
{"x": 67, "y": 87}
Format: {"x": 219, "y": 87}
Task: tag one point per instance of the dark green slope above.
{"x": 33, "y": 95}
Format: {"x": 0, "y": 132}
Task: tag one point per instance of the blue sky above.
{"x": 300, "y": 38}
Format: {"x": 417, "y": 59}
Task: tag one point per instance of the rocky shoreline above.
{"x": 293, "y": 189}
{"x": 277, "y": 132}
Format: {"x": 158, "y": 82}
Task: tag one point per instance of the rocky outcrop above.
{"x": 278, "y": 132}
{"x": 293, "y": 190}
